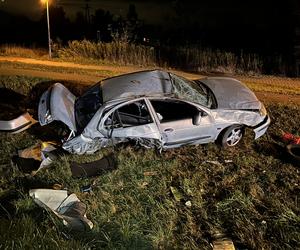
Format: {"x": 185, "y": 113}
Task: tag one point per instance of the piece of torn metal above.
{"x": 94, "y": 168}
{"x": 41, "y": 154}
{"x": 66, "y": 207}
{"x": 18, "y": 124}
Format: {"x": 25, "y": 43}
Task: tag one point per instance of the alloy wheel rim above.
{"x": 234, "y": 137}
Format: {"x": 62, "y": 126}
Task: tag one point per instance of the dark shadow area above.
{"x": 114, "y": 234}
{"x": 12, "y": 104}
{"x": 9, "y": 211}
{"x": 7, "y": 208}
{"x": 276, "y": 148}
{"x": 28, "y": 182}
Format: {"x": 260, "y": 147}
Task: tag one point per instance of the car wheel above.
{"x": 232, "y": 136}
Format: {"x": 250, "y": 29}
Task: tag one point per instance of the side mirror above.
{"x": 159, "y": 116}
{"x": 197, "y": 119}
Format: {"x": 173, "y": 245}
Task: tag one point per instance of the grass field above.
{"x": 67, "y": 70}
{"x": 254, "y": 199}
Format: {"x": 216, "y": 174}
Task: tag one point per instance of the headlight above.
{"x": 263, "y": 111}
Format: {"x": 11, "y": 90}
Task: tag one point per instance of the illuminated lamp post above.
{"x": 48, "y": 23}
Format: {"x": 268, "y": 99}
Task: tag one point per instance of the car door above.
{"x": 130, "y": 120}
{"x": 182, "y": 123}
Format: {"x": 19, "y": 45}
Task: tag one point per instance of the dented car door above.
{"x": 130, "y": 120}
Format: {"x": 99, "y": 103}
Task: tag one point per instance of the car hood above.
{"x": 231, "y": 93}
{"x": 57, "y": 103}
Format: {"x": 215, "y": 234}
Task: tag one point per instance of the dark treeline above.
{"x": 100, "y": 26}
{"x": 267, "y": 28}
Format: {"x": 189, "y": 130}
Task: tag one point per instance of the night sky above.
{"x": 150, "y": 11}
{"x": 207, "y": 12}
{"x": 258, "y": 25}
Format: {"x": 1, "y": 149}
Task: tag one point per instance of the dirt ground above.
{"x": 89, "y": 79}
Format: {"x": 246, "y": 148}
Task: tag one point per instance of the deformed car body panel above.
{"x": 261, "y": 129}
{"x": 84, "y": 145}
{"x": 57, "y": 103}
{"x": 231, "y": 93}
{"x": 18, "y": 124}
{"x": 136, "y": 84}
{"x": 225, "y": 102}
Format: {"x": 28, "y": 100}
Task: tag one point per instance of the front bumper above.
{"x": 262, "y": 127}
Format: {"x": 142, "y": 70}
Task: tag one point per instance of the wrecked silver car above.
{"x": 155, "y": 109}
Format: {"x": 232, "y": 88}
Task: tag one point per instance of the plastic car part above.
{"x": 68, "y": 208}
{"x": 41, "y": 154}
{"x": 18, "y": 124}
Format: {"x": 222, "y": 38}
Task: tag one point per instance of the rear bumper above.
{"x": 262, "y": 127}
{"x": 18, "y": 124}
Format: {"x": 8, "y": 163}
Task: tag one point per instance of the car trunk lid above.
{"x": 57, "y": 103}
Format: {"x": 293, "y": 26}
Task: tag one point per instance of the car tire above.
{"x": 232, "y": 136}
{"x": 294, "y": 152}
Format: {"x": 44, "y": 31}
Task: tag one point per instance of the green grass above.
{"x": 253, "y": 200}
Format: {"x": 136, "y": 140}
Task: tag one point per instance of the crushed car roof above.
{"x": 154, "y": 82}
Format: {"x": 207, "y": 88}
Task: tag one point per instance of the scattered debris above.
{"x": 150, "y": 173}
{"x": 223, "y": 244}
{"x": 86, "y": 189}
{"x": 93, "y": 168}
{"x": 57, "y": 186}
{"x": 177, "y": 195}
{"x": 144, "y": 184}
{"x": 33, "y": 151}
{"x": 188, "y": 204}
{"x": 18, "y": 124}
{"x": 290, "y": 138}
{"x": 36, "y": 157}
{"x": 215, "y": 163}
{"x": 67, "y": 207}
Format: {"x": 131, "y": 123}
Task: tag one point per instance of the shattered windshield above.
{"x": 192, "y": 91}
{"x": 87, "y": 105}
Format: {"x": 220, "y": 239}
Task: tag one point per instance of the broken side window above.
{"x": 173, "y": 110}
{"x": 133, "y": 114}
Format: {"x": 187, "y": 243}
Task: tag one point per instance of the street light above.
{"x": 48, "y": 23}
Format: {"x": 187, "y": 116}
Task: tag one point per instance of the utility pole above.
{"x": 48, "y": 23}
{"x": 87, "y": 12}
